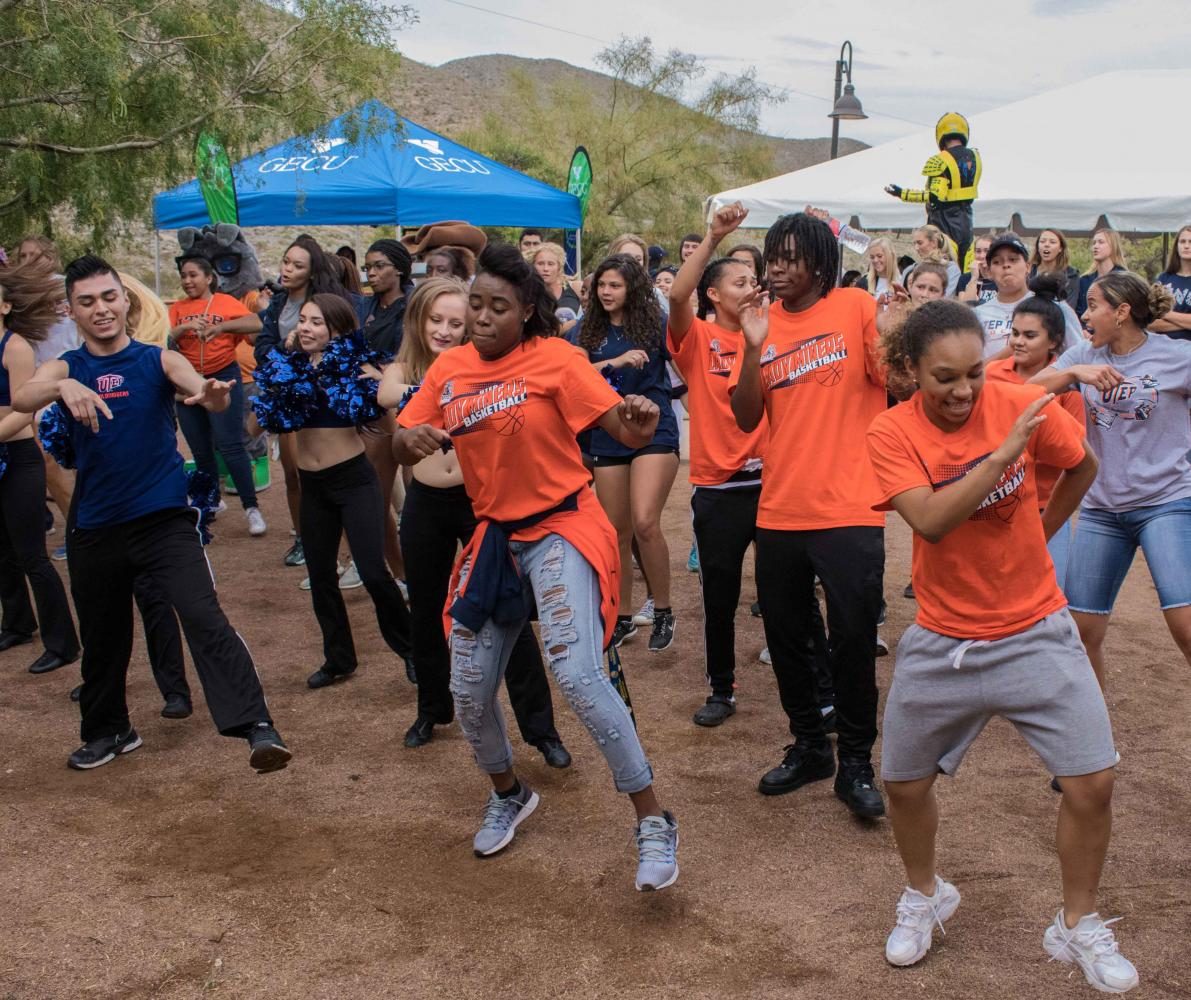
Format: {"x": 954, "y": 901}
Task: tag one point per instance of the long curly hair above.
{"x": 34, "y": 291}
{"x": 642, "y": 319}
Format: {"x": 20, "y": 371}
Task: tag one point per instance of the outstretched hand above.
{"x": 754, "y": 317}
{"x": 214, "y": 395}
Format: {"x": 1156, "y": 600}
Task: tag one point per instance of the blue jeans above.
{"x": 568, "y": 600}
{"x": 1103, "y": 547}
{"x": 1060, "y": 552}
{"x": 205, "y": 431}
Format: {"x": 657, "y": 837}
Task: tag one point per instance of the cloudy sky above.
{"x": 908, "y": 68}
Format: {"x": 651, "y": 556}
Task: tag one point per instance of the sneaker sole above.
{"x": 350, "y": 586}
{"x": 642, "y": 620}
{"x": 125, "y": 748}
{"x": 269, "y": 757}
{"x": 1061, "y": 954}
{"x": 525, "y": 811}
{"x": 669, "y": 882}
{"x": 711, "y": 724}
{"x": 946, "y": 913}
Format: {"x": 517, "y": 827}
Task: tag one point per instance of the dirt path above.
{"x": 177, "y": 872}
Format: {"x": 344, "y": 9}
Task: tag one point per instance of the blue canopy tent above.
{"x": 394, "y": 172}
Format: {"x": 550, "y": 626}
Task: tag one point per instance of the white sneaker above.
{"x": 350, "y": 578}
{"x": 917, "y": 916}
{"x": 1090, "y": 944}
{"x": 305, "y": 584}
{"x": 220, "y": 508}
{"x": 765, "y": 657}
{"x": 645, "y": 615}
{"x": 256, "y": 521}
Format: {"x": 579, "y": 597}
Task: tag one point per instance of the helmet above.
{"x": 952, "y": 123}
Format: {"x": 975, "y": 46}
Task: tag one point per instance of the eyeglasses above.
{"x": 377, "y": 266}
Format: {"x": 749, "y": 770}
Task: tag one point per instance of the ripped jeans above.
{"x": 568, "y": 600}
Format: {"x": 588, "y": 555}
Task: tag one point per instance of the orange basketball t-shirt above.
{"x": 822, "y": 384}
{"x": 219, "y": 352}
{"x": 513, "y": 422}
{"x": 1045, "y": 475}
{"x": 992, "y": 576}
{"x": 705, "y": 358}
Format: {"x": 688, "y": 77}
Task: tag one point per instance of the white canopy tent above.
{"x": 1106, "y": 147}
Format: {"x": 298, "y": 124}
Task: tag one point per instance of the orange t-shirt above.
{"x": 992, "y": 576}
{"x": 823, "y": 384}
{"x": 513, "y": 422}
{"x": 1045, "y": 475}
{"x": 705, "y": 358}
{"x": 219, "y": 352}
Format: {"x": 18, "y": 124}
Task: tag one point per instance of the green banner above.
{"x": 214, "y": 171}
{"x": 579, "y": 179}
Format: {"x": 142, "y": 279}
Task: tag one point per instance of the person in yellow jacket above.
{"x": 952, "y": 176}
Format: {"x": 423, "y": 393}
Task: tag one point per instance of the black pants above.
{"x": 850, "y": 562}
{"x": 164, "y": 547}
{"x": 434, "y": 522}
{"x": 347, "y": 498}
{"x": 23, "y": 555}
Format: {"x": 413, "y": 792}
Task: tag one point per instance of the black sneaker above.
{"x": 555, "y": 754}
{"x": 177, "y": 707}
{"x": 662, "y": 636}
{"x": 1055, "y": 786}
{"x": 716, "y": 711}
{"x": 296, "y": 556}
{"x": 323, "y": 677}
{"x": 755, "y": 609}
{"x": 856, "y": 787}
{"x": 266, "y": 751}
{"x": 908, "y": 593}
{"x": 102, "y": 751}
{"x": 880, "y": 647}
{"x": 799, "y": 767}
{"x": 625, "y": 629}
{"x": 830, "y": 722}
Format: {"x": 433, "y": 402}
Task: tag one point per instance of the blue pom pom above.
{"x": 202, "y": 489}
{"x": 3, "y": 459}
{"x": 287, "y": 392}
{"x": 349, "y": 396}
{"x": 54, "y": 433}
{"x": 406, "y": 397}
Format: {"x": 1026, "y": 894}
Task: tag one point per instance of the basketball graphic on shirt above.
{"x": 829, "y": 375}
{"x": 508, "y": 422}
{"x": 1005, "y": 499}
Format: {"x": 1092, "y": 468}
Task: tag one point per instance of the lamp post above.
{"x": 846, "y": 105}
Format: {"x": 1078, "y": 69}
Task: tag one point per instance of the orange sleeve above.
{"x": 584, "y": 396}
{"x": 1059, "y": 439}
{"x": 423, "y": 406}
{"x": 874, "y": 366}
{"x": 175, "y": 313}
{"x": 683, "y": 351}
{"x": 898, "y": 469}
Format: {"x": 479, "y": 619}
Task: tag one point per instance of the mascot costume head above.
{"x": 231, "y": 255}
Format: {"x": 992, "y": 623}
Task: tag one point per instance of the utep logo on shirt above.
{"x": 818, "y": 358}
{"x": 495, "y": 405}
{"x": 1134, "y": 399}
{"x": 108, "y": 386}
{"x": 1005, "y": 498}
{"x": 719, "y": 361}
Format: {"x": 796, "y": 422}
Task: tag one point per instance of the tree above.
{"x": 655, "y": 155}
{"x": 102, "y": 101}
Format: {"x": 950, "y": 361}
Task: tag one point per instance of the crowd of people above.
{"x": 496, "y": 441}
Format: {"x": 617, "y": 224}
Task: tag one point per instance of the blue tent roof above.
{"x": 395, "y": 172}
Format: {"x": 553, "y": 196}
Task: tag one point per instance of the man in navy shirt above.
{"x": 131, "y": 519}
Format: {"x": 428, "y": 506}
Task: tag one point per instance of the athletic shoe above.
{"x": 555, "y": 754}
{"x": 799, "y": 767}
{"x": 662, "y": 636}
{"x": 349, "y": 579}
{"x": 692, "y": 561}
{"x": 1055, "y": 786}
{"x": 657, "y": 852}
{"x": 716, "y": 711}
{"x": 421, "y": 732}
{"x": 625, "y": 629}
{"x": 218, "y": 508}
{"x": 917, "y": 916}
{"x": 339, "y": 568}
{"x": 645, "y": 615}
{"x": 296, "y": 556}
{"x": 256, "y": 522}
{"x": 266, "y": 751}
{"x": 765, "y": 657}
{"x": 177, "y": 707}
{"x": 881, "y": 647}
{"x": 855, "y": 787}
{"x": 1090, "y": 944}
{"x": 909, "y": 591}
{"x": 59, "y": 554}
{"x": 323, "y": 677}
{"x": 76, "y": 693}
{"x": 501, "y": 817}
{"x": 755, "y": 609}
{"x": 96, "y": 753}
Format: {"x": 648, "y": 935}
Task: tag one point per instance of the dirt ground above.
{"x": 178, "y": 872}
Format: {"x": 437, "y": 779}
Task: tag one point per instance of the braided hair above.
{"x": 814, "y": 244}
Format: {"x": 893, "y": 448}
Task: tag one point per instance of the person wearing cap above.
{"x": 657, "y": 254}
{"x": 1008, "y": 264}
{"x": 952, "y": 178}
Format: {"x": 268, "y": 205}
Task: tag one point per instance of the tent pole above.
{"x": 157, "y": 261}
{"x": 1165, "y": 248}
{"x": 579, "y": 253}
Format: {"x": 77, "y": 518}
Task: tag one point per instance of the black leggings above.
{"x": 23, "y": 555}
{"x": 434, "y": 522}
{"x": 347, "y": 498}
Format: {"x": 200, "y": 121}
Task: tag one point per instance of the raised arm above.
{"x": 209, "y": 393}
{"x": 725, "y": 221}
{"x": 1056, "y": 380}
{"x": 748, "y": 401}
{"x": 52, "y": 383}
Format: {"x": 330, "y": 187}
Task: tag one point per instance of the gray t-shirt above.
{"x": 287, "y": 322}
{"x": 997, "y": 319}
{"x": 1140, "y": 430}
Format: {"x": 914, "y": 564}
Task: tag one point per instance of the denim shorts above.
{"x": 1103, "y": 548}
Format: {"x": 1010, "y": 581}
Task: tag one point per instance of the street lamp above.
{"x": 847, "y": 104}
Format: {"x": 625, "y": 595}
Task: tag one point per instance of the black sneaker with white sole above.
{"x": 662, "y": 636}
{"x": 266, "y": 751}
{"x": 625, "y": 629}
{"x": 97, "y": 752}
{"x": 718, "y": 709}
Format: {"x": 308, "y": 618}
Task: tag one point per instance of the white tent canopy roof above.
{"x": 1132, "y": 168}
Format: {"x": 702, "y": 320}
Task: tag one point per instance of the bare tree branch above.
{"x": 62, "y": 99}
{"x": 112, "y": 147}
